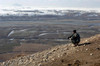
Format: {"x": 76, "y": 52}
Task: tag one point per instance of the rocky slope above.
{"x": 86, "y": 54}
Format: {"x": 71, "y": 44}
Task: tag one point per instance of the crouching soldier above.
{"x": 75, "y": 38}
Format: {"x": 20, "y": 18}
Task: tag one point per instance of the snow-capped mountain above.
{"x": 17, "y": 14}
{"x": 6, "y": 12}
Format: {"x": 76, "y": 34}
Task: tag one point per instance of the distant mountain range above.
{"x": 37, "y": 14}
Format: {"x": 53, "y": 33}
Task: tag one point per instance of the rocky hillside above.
{"x": 86, "y": 54}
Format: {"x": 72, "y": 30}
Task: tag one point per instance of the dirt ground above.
{"x": 87, "y": 54}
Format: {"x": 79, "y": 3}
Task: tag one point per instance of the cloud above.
{"x": 53, "y": 3}
{"x": 17, "y": 4}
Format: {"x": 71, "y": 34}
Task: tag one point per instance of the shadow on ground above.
{"x": 84, "y": 44}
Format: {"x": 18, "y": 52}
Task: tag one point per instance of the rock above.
{"x": 86, "y": 40}
{"x": 57, "y": 48}
{"x": 45, "y": 60}
{"x": 69, "y": 64}
{"x": 66, "y": 49}
{"x": 53, "y": 59}
{"x": 86, "y": 62}
{"x": 58, "y": 56}
{"x": 20, "y": 62}
{"x": 72, "y": 45}
{"x": 49, "y": 53}
{"x": 64, "y": 54}
{"x": 86, "y": 49}
{"x": 3, "y": 63}
{"x": 62, "y": 60}
{"x": 98, "y": 48}
{"x": 84, "y": 44}
{"x": 39, "y": 64}
{"x": 53, "y": 50}
{"x": 91, "y": 54}
{"x": 77, "y": 50}
{"x": 77, "y": 63}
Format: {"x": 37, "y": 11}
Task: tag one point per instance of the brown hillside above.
{"x": 86, "y": 54}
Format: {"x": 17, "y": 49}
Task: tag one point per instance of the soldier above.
{"x": 75, "y": 38}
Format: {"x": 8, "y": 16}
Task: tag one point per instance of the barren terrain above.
{"x": 86, "y": 54}
{"x": 45, "y": 33}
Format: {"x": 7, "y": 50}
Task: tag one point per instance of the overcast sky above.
{"x": 52, "y": 3}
